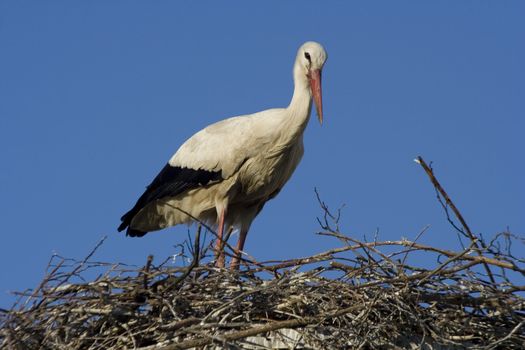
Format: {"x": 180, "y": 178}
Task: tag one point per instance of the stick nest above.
{"x": 362, "y": 294}
{"x": 350, "y": 296}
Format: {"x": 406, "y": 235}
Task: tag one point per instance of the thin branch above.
{"x": 451, "y": 204}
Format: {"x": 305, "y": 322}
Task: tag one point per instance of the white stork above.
{"x": 224, "y": 174}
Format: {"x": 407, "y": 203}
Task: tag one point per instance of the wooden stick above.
{"x": 449, "y": 202}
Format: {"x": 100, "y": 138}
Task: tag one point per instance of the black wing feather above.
{"x": 170, "y": 182}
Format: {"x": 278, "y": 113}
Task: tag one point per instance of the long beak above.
{"x": 315, "y": 86}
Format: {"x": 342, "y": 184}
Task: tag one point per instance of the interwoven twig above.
{"x": 360, "y": 294}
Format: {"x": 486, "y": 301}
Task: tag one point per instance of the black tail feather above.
{"x": 134, "y": 233}
{"x": 171, "y": 181}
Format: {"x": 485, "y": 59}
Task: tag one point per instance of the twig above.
{"x": 189, "y": 269}
{"x": 449, "y": 202}
{"x": 354, "y": 296}
{"x": 257, "y": 330}
{"x": 505, "y": 338}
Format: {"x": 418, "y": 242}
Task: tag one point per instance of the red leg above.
{"x": 219, "y": 244}
{"x": 240, "y": 246}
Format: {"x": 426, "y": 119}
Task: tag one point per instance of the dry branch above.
{"x": 474, "y": 240}
{"x": 345, "y": 301}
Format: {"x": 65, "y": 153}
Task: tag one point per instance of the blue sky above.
{"x": 96, "y": 96}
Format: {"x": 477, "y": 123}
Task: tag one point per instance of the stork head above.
{"x": 309, "y": 63}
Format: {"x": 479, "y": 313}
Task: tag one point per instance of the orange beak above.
{"x": 315, "y": 86}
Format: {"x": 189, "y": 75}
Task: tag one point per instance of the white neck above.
{"x": 298, "y": 112}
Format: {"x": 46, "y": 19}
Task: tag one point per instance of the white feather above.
{"x": 256, "y": 155}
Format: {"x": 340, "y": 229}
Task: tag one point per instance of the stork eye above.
{"x": 307, "y": 56}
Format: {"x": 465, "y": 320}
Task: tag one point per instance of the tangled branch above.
{"x": 360, "y": 294}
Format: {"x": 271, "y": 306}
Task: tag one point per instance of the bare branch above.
{"x": 449, "y": 202}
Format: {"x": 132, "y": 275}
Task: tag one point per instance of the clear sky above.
{"x": 95, "y": 96}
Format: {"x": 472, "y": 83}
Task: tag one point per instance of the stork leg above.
{"x": 234, "y": 265}
{"x": 219, "y": 244}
